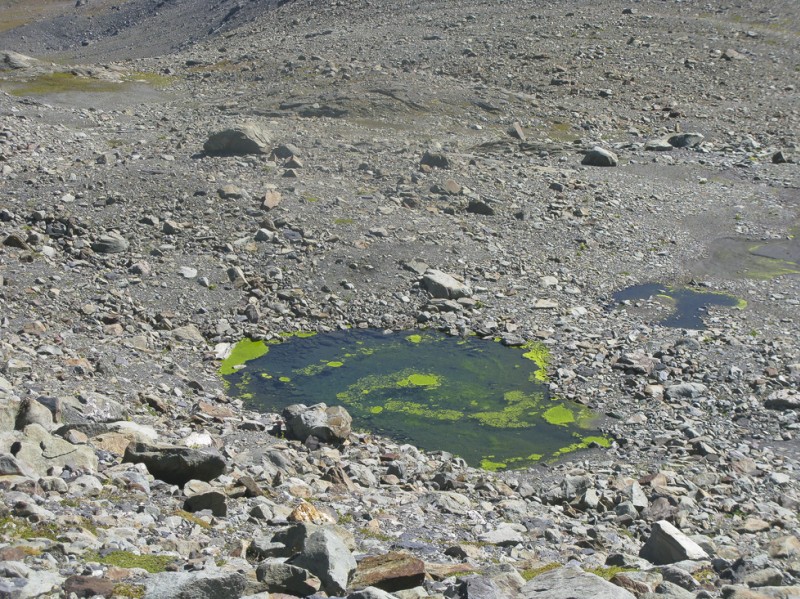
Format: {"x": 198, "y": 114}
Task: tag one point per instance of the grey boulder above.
{"x": 442, "y": 285}
{"x": 279, "y": 577}
{"x": 205, "y": 584}
{"x": 326, "y": 556}
{"x": 667, "y": 545}
{"x": 176, "y": 465}
{"x": 598, "y": 156}
{"x": 238, "y": 141}
{"x": 328, "y": 424}
{"x": 572, "y": 583}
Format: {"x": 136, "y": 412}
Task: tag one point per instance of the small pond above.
{"x": 687, "y": 306}
{"x": 478, "y": 399}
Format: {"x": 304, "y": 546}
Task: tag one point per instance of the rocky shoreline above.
{"x": 447, "y": 180}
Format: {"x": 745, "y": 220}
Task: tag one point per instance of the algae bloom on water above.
{"x": 475, "y": 398}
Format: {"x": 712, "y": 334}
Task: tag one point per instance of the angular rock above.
{"x": 328, "y": 424}
{"x": 375, "y": 593}
{"x": 658, "y": 145}
{"x": 204, "y": 584}
{"x": 571, "y": 583}
{"x": 479, "y": 587}
{"x": 110, "y": 243}
{"x": 685, "y": 391}
{"x": 598, "y": 156}
{"x": 88, "y": 586}
{"x": 238, "y": 141}
{"x": 392, "y": 571}
{"x": 326, "y": 556}
{"x": 189, "y": 334}
{"x": 443, "y": 285}
{"x": 42, "y": 452}
{"x": 279, "y": 577}
{"x": 176, "y": 465}
{"x": 783, "y": 399}
{"x": 435, "y": 160}
{"x": 667, "y": 545}
{"x": 202, "y": 496}
{"x": 685, "y": 140}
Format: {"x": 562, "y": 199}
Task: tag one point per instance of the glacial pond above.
{"x": 686, "y": 306}
{"x": 476, "y": 398}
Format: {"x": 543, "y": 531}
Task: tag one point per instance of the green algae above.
{"x": 420, "y": 380}
{"x": 480, "y": 400}
{"x": 491, "y": 466}
{"x": 559, "y": 415}
{"x": 244, "y": 351}
{"x": 539, "y": 355}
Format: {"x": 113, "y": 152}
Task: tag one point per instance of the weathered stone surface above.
{"x": 783, "y": 399}
{"x": 189, "y": 334}
{"x": 249, "y": 138}
{"x": 17, "y": 61}
{"x": 392, "y": 571}
{"x": 110, "y": 243}
{"x": 205, "y": 584}
{"x": 88, "y": 586}
{"x": 667, "y": 545}
{"x": 685, "y": 391}
{"x": 279, "y": 577}
{"x": 570, "y": 583}
{"x": 686, "y": 140}
{"x": 325, "y": 555}
{"x": 41, "y": 451}
{"x": 177, "y": 465}
{"x": 600, "y": 157}
{"x": 328, "y": 424}
{"x": 443, "y": 285}
{"x": 435, "y": 160}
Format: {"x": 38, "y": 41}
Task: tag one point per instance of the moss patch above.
{"x": 126, "y": 559}
{"x": 532, "y": 573}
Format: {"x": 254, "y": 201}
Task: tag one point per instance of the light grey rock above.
{"x": 598, "y": 156}
{"x": 372, "y": 593}
{"x": 686, "y": 391}
{"x": 205, "y": 584}
{"x": 249, "y": 138}
{"x": 41, "y": 451}
{"x": 667, "y": 545}
{"x": 328, "y": 424}
{"x": 477, "y": 587}
{"x": 16, "y": 61}
{"x": 783, "y": 399}
{"x": 658, "y": 145}
{"x": 189, "y": 334}
{"x": 571, "y": 583}
{"x": 443, "y": 285}
{"x": 505, "y": 535}
{"x": 326, "y": 556}
{"x": 685, "y": 140}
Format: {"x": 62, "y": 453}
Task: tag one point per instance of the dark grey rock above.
{"x": 176, "y": 465}
{"x": 279, "y": 577}
{"x": 600, "y": 157}
{"x": 238, "y": 141}
{"x": 205, "y": 584}
{"x": 667, "y": 545}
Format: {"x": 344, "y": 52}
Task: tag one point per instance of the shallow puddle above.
{"x": 476, "y": 398}
{"x": 741, "y": 258}
{"x": 687, "y": 305}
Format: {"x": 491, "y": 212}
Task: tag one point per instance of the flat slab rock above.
{"x": 572, "y": 583}
{"x": 667, "y": 545}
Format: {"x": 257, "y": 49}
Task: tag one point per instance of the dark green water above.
{"x": 475, "y": 398}
{"x": 689, "y": 305}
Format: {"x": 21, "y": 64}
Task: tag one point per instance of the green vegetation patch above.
{"x": 532, "y": 573}
{"x": 480, "y": 400}
{"x": 242, "y": 352}
{"x": 126, "y": 559}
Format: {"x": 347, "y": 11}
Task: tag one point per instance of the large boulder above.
{"x": 204, "y": 584}
{"x": 599, "y": 157}
{"x": 176, "y": 465}
{"x": 328, "y": 424}
{"x": 42, "y": 452}
{"x": 572, "y": 582}
{"x": 442, "y": 285}
{"x": 667, "y": 545}
{"x": 326, "y": 555}
{"x": 238, "y": 141}
{"x": 393, "y": 571}
{"x": 279, "y": 577}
